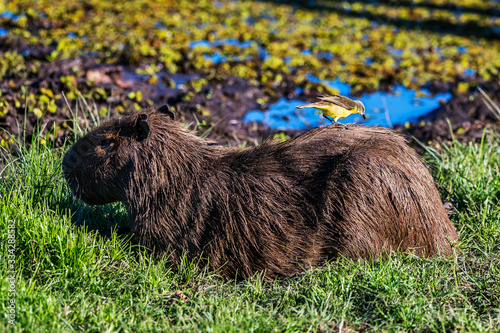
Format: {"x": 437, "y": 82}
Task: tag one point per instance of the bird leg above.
{"x": 336, "y": 122}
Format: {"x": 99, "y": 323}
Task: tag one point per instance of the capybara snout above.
{"x": 278, "y": 207}
{"x": 92, "y": 166}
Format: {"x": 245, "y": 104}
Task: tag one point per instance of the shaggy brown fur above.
{"x": 278, "y": 207}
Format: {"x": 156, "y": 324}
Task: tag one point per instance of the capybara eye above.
{"x": 106, "y": 143}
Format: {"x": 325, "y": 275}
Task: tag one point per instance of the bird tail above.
{"x": 305, "y": 106}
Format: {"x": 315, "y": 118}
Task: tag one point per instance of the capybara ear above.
{"x": 165, "y": 109}
{"x": 142, "y": 126}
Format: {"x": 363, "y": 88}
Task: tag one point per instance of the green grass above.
{"x": 69, "y": 278}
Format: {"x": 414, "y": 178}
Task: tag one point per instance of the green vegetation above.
{"x": 75, "y": 275}
{"x": 75, "y": 271}
{"x": 365, "y": 44}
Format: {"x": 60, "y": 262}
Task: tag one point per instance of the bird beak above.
{"x": 364, "y": 117}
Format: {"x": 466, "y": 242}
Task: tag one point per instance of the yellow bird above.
{"x": 336, "y": 106}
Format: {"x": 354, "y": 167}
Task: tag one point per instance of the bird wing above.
{"x": 314, "y": 105}
{"x": 339, "y": 100}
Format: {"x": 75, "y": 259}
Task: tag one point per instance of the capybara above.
{"x": 279, "y": 207}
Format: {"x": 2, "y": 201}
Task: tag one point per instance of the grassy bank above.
{"x": 70, "y": 278}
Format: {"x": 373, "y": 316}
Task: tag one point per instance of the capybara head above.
{"x": 278, "y": 207}
{"x": 98, "y": 167}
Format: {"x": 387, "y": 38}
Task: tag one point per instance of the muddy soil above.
{"x": 464, "y": 117}
{"x": 216, "y": 109}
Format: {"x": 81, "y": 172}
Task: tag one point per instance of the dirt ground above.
{"x": 217, "y": 106}
{"x": 466, "y": 116}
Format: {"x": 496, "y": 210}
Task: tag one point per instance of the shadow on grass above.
{"x": 431, "y": 24}
{"x": 103, "y": 220}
